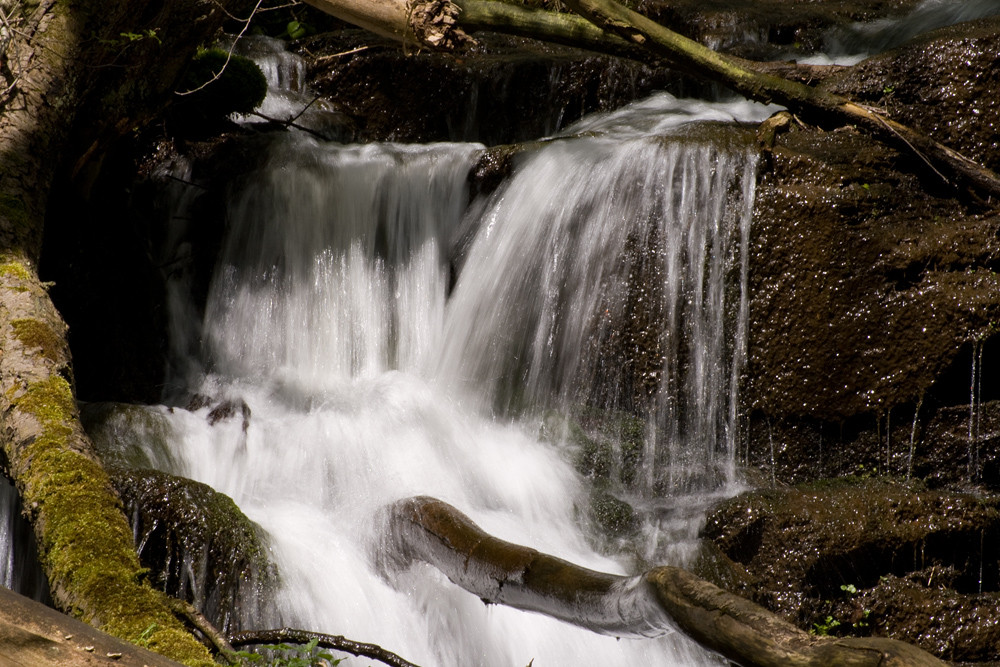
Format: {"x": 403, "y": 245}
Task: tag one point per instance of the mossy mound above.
{"x": 857, "y": 556}
{"x": 198, "y": 546}
{"x": 225, "y": 83}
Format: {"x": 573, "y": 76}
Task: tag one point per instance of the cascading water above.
{"x": 851, "y": 44}
{"x": 606, "y": 277}
{"x": 368, "y": 379}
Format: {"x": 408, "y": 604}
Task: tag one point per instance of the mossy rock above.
{"x": 615, "y": 516}
{"x": 198, "y": 546}
{"x": 221, "y": 84}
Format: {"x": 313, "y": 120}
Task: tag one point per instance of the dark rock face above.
{"x": 873, "y": 288}
{"x": 504, "y": 90}
{"x": 869, "y": 556}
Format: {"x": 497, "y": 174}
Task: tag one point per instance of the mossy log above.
{"x": 70, "y": 85}
{"x": 662, "y": 599}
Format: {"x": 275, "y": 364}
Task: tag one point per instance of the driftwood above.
{"x": 665, "y": 598}
{"x": 617, "y": 30}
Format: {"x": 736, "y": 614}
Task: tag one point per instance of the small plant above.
{"x": 146, "y": 635}
{"x": 824, "y": 628}
{"x": 151, "y": 33}
{"x": 833, "y": 626}
{"x": 290, "y": 655}
{"x": 297, "y": 30}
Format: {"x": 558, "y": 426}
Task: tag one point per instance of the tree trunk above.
{"x": 71, "y": 84}
{"x": 429, "y": 530}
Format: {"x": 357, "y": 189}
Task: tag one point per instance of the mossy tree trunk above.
{"x": 76, "y": 75}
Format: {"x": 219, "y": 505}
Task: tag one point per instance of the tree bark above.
{"x": 71, "y": 84}
{"x": 429, "y": 530}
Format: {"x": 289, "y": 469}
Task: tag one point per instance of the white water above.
{"x": 853, "y": 43}
{"x": 368, "y": 381}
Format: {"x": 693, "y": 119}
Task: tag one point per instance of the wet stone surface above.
{"x": 870, "y": 556}
{"x": 198, "y": 546}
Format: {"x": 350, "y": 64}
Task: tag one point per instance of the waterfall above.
{"x": 388, "y": 339}
{"x": 19, "y": 567}
{"x": 611, "y": 273}
{"x": 372, "y": 373}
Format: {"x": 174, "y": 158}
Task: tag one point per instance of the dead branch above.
{"x": 336, "y": 642}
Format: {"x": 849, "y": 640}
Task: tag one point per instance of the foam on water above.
{"x": 369, "y": 381}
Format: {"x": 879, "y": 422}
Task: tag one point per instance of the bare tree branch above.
{"x": 336, "y": 642}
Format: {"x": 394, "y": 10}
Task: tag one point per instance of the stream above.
{"x": 559, "y": 359}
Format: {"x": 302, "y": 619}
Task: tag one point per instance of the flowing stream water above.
{"x": 389, "y": 339}
{"x": 371, "y": 378}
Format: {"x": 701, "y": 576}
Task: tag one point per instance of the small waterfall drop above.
{"x": 851, "y": 44}
{"x": 371, "y": 375}
{"x": 610, "y": 273}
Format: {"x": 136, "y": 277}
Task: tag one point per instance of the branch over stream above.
{"x": 665, "y": 598}
{"x": 336, "y": 642}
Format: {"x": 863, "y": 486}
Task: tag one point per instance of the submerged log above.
{"x": 663, "y": 599}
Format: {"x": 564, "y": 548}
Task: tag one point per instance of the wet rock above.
{"x": 198, "y": 546}
{"x": 868, "y": 556}
{"x": 615, "y": 516}
{"x": 943, "y": 83}
{"x": 874, "y": 285}
{"x": 503, "y": 91}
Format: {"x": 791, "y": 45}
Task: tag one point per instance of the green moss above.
{"x": 34, "y": 334}
{"x": 615, "y": 516}
{"x": 240, "y": 86}
{"x": 12, "y": 269}
{"x": 86, "y": 544}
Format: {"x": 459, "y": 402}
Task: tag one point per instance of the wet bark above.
{"x": 429, "y": 530}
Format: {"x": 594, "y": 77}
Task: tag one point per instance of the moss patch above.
{"x": 37, "y": 335}
{"x": 13, "y": 270}
{"x": 86, "y": 544}
{"x": 13, "y": 209}
{"x": 232, "y": 83}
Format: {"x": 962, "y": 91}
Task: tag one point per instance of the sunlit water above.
{"x": 372, "y": 375}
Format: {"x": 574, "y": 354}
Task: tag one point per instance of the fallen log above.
{"x": 663, "y": 599}
{"x": 619, "y": 31}
{"x": 36, "y": 635}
